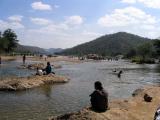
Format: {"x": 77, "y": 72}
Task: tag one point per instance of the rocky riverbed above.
{"x": 23, "y": 83}
{"x": 134, "y": 108}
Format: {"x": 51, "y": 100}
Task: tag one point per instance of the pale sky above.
{"x": 66, "y": 23}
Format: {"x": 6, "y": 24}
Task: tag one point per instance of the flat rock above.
{"x": 23, "y": 83}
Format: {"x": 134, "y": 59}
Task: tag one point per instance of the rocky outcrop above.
{"x": 134, "y": 108}
{"x": 23, "y": 83}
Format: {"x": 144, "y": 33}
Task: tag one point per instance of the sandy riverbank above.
{"x": 8, "y": 58}
{"x": 23, "y": 83}
{"x": 134, "y": 108}
{"x": 56, "y": 59}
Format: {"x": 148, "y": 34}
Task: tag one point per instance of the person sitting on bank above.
{"x": 99, "y": 98}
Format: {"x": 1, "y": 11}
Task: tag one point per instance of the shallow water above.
{"x": 45, "y": 101}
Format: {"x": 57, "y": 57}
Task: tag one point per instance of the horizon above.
{"x": 59, "y": 24}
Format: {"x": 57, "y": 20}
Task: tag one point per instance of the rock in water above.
{"x": 147, "y": 98}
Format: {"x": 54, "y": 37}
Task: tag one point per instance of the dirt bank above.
{"x": 23, "y": 83}
{"x": 134, "y": 108}
{"x": 8, "y": 58}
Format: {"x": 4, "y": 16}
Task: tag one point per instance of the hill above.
{"x": 54, "y": 50}
{"x": 36, "y": 50}
{"x": 30, "y": 49}
{"x": 112, "y": 44}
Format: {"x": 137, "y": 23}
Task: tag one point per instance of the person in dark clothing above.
{"x": 119, "y": 74}
{"x": 99, "y": 98}
{"x": 24, "y": 59}
{"x": 48, "y": 69}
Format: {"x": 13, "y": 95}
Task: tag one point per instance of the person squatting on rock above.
{"x": 99, "y": 98}
{"x": 48, "y": 69}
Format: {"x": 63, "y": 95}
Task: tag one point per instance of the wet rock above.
{"x": 147, "y": 98}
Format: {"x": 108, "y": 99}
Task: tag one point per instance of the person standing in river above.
{"x": 99, "y": 98}
{"x": 24, "y": 59}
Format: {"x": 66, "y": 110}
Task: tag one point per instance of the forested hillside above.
{"x": 112, "y": 44}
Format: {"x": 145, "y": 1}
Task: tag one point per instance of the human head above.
{"x": 98, "y": 85}
{"x": 48, "y": 63}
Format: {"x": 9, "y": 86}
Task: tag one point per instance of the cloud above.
{"x": 129, "y": 1}
{"x": 40, "y": 6}
{"x": 15, "y": 18}
{"x": 92, "y": 34}
{"x": 74, "y": 20}
{"x": 13, "y": 25}
{"x": 129, "y": 16}
{"x": 149, "y": 3}
{"x": 40, "y": 21}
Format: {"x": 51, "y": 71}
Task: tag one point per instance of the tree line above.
{"x": 146, "y": 52}
{"x": 8, "y": 41}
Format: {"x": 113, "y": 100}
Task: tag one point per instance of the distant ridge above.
{"x": 112, "y": 44}
{"x": 36, "y": 50}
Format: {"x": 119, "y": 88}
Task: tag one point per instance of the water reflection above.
{"x": 47, "y": 90}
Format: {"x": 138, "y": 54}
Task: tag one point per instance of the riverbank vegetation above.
{"x": 8, "y": 41}
{"x": 137, "y": 49}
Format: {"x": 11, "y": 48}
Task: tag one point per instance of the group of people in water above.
{"x": 47, "y": 70}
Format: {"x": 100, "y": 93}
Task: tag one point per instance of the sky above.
{"x": 66, "y": 23}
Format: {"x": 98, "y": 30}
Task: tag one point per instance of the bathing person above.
{"x": 24, "y": 59}
{"x": 119, "y": 74}
{"x": 99, "y": 98}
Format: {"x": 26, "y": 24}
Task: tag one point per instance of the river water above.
{"x": 40, "y": 103}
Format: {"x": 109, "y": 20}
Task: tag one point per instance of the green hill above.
{"x": 112, "y": 44}
{"x": 30, "y": 49}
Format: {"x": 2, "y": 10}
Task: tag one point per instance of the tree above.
{"x": 11, "y": 37}
{"x": 131, "y": 53}
{"x": 3, "y": 44}
{"x": 144, "y": 49}
{"x": 157, "y": 46}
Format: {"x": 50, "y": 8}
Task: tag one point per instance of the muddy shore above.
{"x": 134, "y": 108}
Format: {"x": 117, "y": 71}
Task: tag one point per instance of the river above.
{"x": 40, "y": 103}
